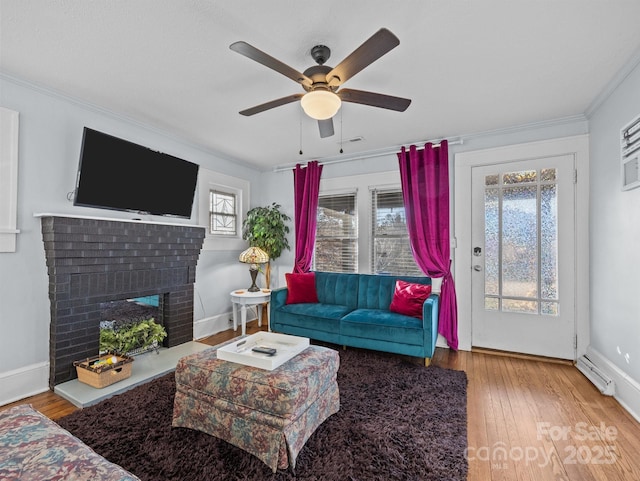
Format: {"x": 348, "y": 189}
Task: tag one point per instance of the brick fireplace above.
{"x": 91, "y": 261}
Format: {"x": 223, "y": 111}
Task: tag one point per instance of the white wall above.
{"x": 615, "y": 242}
{"x": 278, "y": 186}
{"x": 49, "y": 147}
{"x": 50, "y": 133}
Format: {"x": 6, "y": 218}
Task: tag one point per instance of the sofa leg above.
{"x": 427, "y": 361}
{"x": 344, "y": 348}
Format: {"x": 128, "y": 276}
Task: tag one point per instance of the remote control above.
{"x": 270, "y": 351}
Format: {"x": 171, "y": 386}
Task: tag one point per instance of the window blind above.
{"x": 390, "y": 247}
{"x": 336, "y": 248}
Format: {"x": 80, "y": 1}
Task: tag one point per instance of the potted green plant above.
{"x": 132, "y": 337}
{"x": 266, "y": 228}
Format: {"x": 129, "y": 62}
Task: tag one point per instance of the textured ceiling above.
{"x": 469, "y": 66}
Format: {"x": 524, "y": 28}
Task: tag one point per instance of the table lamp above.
{"x": 254, "y": 256}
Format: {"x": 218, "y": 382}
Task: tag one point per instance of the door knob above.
{"x": 477, "y": 268}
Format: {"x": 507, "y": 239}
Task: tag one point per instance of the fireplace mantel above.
{"x": 92, "y": 260}
{"x": 135, "y": 220}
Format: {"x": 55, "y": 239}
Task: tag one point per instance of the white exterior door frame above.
{"x": 464, "y": 162}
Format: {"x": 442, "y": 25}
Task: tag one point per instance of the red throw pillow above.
{"x": 408, "y": 298}
{"x": 302, "y": 288}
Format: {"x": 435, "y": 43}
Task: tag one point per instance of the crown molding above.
{"x": 542, "y": 124}
{"x": 613, "y": 84}
{"x": 453, "y": 140}
{"x": 50, "y": 92}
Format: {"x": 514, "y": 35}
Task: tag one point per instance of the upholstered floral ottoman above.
{"x": 270, "y": 414}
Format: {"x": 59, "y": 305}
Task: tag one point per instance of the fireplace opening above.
{"x": 127, "y": 309}
{"x": 132, "y": 326}
{"x": 93, "y": 261}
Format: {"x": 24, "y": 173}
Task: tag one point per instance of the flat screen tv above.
{"x": 120, "y": 175}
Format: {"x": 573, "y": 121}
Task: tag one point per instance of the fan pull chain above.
{"x": 341, "y": 114}
{"x": 300, "y": 132}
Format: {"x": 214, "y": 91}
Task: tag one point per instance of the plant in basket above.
{"x": 103, "y": 370}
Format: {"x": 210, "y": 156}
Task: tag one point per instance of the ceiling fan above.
{"x": 322, "y": 83}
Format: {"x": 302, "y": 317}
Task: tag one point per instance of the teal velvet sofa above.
{"x": 353, "y": 310}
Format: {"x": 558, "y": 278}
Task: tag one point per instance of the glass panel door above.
{"x": 523, "y": 256}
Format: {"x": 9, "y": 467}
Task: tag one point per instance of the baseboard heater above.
{"x": 599, "y": 379}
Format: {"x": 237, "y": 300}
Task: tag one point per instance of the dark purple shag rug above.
{"x": 397, "y": 421}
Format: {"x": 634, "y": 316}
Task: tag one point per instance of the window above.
{"x": 521, "y": 241}
{"x": 222, "y": 206}
{"x": 222, "y": 213}
{"x": 362, "y": 226}
{"x": 390, "y": 247}
{"x": 336, "y": 248}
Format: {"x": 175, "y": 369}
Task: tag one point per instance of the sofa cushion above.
{"x": 382, "y": 325}
{"x": 376, "y": 291}
{"x": 316, "y": 321}
{"x": 302, "y": 288}
{"x": 409, "y": 297}
{"x": 317, "y": 310}
{"x": 337, "y": 288}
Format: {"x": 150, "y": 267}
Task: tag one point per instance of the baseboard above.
{"x": 24, "y": 382}
{"x": 442, "y": 342}
{"x": 627, "y": 389}
{"x": 211, "y": 325}
{"x": 518, "y": 355}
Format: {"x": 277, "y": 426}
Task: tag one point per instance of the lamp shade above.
{"x": 254, "y": 255}
{"x": 320, "y": 104}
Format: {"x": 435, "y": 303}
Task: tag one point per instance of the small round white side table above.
{"x": 242, "y": 298}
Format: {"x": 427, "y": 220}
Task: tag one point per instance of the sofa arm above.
{"x": 430, "y": 310}
{"x": 279, "y": 297}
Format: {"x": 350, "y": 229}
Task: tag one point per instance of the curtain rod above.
{"x": 337, "y": 159}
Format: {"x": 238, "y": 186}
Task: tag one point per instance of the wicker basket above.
{"x": 102, "y": 375}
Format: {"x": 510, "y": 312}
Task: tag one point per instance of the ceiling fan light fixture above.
{"x": 320, "y": 104}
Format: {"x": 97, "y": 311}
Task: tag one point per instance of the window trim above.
{"x": 630, "y": 154}
{"x": 209, "y": 180}
{"x": 9, "y": 125}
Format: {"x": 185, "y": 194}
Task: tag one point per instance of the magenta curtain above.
{"x": 425, "y": 191}
{"x": 306, "y": 185}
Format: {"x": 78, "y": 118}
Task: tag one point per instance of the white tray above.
{"x": 286, "y": 346}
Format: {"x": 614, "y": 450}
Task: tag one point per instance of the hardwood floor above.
{"x": 528, "y": 419}
{"x": 541, "y": 420}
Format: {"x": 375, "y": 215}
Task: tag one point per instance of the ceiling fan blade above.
{"x": 249, "y": 51}
{"x": 371, "y": 50}
{"x": 272, "y": 104}
{"x": 326, "y": 128}
{"x": 374, "y": 100}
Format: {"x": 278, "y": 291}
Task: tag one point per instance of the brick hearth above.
{"x": 90, "y": 261}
